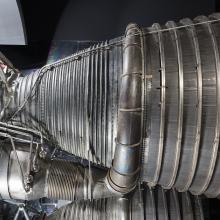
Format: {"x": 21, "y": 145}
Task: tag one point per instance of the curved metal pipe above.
{"x": 123, "y": 175}
{"x": 82, "y": 114}
{"x": 55, "y": 179}
{"x": 68, "y": 181}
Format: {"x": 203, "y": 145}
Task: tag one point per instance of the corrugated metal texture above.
{"x": 183, "y": 131}
{"x": 63, "y": 181}
{"x": 111, "y": 208}
{"x": 75, "y": 101}
{"x": 163, "y": 205}
{"x": 143, "y": 205}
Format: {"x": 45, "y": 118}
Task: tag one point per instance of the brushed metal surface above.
{"x": 143, "y": 205}
{"x": 75, "y": 103}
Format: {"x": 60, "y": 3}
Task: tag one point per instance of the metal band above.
{"x": 130, "y": 109}
{"x": 162, "y": 106}
{"x": 174, "y": 31}
{"x": 217, "y": 127}
{"x": 191, "y": 29}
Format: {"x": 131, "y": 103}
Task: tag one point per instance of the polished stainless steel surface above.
{"x": 4, "y": 155}
{"x": 55, "y": 179}
{"x": 13, "y": 186}
{"x": 183, "y": 61}
{"x": 143, "y": 108}
{"x": 124, "y": 173}
{"x": 75, "y": 104}
{"x": 111, "y": 208}
{"x": 68, "y": 181}
{"x": 143, "y": 205}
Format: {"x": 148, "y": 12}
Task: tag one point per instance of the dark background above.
{"x": 48, "y": 20}
{"x": 68, "y": 20}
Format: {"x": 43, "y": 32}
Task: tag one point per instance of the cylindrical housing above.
{"x": 55, "y": 179}
{"x": 183, "y": 111}
{"x": 12, "y": 176}
{"x": 75, "y": 102}
{"x": 146, "y": 204}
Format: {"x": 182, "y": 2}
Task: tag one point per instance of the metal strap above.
{"x": 217, "y": 127}
{"x": 172, "y": 24}
{"x": 192, "y": 31}
{"x": 162, "y": 106}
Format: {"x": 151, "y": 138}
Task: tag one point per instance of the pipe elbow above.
{"x": 124, "y": 173}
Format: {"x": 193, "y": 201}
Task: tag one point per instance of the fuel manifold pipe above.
{"x": 123, "y": 175}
